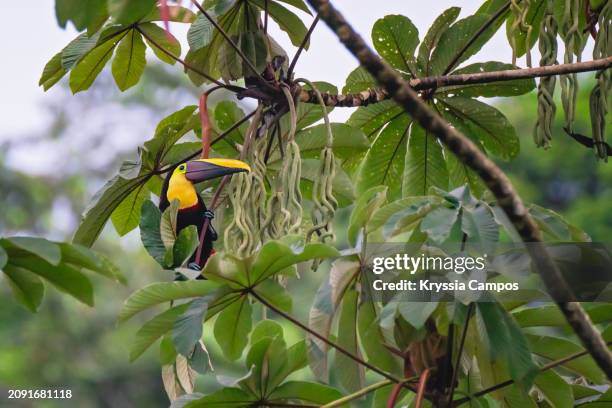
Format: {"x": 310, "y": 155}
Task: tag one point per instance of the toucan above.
{"x": 180, "y": 185}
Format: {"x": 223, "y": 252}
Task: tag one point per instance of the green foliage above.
{"x": 27, "y": 262}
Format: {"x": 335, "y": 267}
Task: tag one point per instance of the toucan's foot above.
{"x": 209, "y": 214}
{"x": 194, "y": 266}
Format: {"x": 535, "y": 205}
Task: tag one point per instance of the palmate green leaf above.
{"x": 358, "y": 80}
{"x": 47, "y": 250}
{"x": 168, "y": 224}
{"x": 232, "y": 328}
{"x": 76, "y": 48}
{"x": 150, "y": 235}
{"x": 305, "y": 391}
{"x": 26, "y": 286}
{"x": 372, "y": 118}
{"x": 557, "y": 392}
{"x": 438, "y": 223}
{"x": 157, "y": 293}
{"x": 126, "y": 216}
{"x": 129, "y": 62}
{"x": 154, "y": 329}
{"x": 430, "y": 41}
{"x": 224, "y": 398}
{"x": 273, "y": 293}
{"x": 507, "y": 342}
{"x": 320, "y": 319}
{"x": 185, "y": 245}
{"x": 604, "y": 400}
{"x": 162, "y": 38}
{"x": 127, "y": 12}
{"x": 452, "y": 42}
{"x": 535, "y": 14}
{"x": 424, "y": 164}
{"x": 484, "y": 123}
{"x": 383, "y": 163}
{"x": 478, "y": 223}
{"x": 299, "y": 4}
{"x": 396, "y": 38}
{"x": 87, "y": 69}
{"x": 350, "y": 374}
{"x": 416, "y": 313}
{"x": 64, "y": 277}
{"x": 412, "y": 208}
{"x": 103, "y": 204}
{"x": 269, "y": 361}
{"x": 88, "y": 15}
{"x": 3, "y": 258}
{"x": 555, "y": 227}
{"x": 253, "y": 46}
{"x": 187, "y": 329}
{"x": 459, "y": 174}
{"x": 348, "y": 141}
{"x": 554, "y": 348}
{"x": 286, "y": 20}
{"x": 275, "y": 256}
{"x": 53, "y": 72}
{"x": 177, "y": 14}
{"x": 228, "y": 269}
{"x": 200, "y": 32}
{"x": 504, "y": 88}
{"x": 551, "y": 316}
{"x": 372, "y": 339}
{"x": 85, "y": 258}
{"x": 366, "y": 205}
{"x": 226, "y": 114}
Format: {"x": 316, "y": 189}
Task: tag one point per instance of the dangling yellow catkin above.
{"x": 547, "y": 44}
{"x": 598, "y": 101}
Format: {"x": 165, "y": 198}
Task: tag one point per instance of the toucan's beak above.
{"x": 206, "y": 169}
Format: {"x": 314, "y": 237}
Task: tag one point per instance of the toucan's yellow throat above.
{"x": 181, "y": 184}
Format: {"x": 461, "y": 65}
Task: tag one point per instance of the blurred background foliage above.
{"x": 67, "y": 345}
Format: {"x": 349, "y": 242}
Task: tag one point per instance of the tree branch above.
{"x": 466, "y": 325}
{"x": 497, "y": 182}
{"x": 506, "y": 383}
{"x": 328, "y": 341}
{"x": 375, "y": 95}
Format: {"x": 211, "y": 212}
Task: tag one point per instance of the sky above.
{"x": 34, "y": 44}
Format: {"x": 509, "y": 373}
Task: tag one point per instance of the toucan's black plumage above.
{"x": 180, "y": 185}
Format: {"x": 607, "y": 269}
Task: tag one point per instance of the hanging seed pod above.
{"x": 284, "y": 208}
{"x": 547, "y": 43}
{"x": 598, "y": 101}
{"x": 325, "y": 203}
{"x": 520, "y": 9}
{"x": 573, "y": 39}
{"x": 241, "y": 237}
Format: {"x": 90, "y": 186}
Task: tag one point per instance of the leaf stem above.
{"x": 327, "y": 341}
{"x": 466, "y": 325}
{"x": 302, "y": 46}
{"x": 546, "y": 367}
{"x": 364, "y": 391}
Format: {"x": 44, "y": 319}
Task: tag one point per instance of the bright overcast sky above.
{"x": 27, "y": 47}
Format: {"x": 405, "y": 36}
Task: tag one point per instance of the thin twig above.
{"x": 302, "y": 46}
{"x": 506, "y": 383}
{"x": 466, "y": 325}
{"x": 327, "y": 341}
{"x": 266, "y": 16}
{"x": 493, "y": 177}
{"x": 229, "y": 40}
{"x": 213, "y": 206}
{"x": 364, "y": 391}
{"x": 187, "y": 65}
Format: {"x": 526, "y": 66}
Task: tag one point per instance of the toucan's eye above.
{"x": 182, "y": 167}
